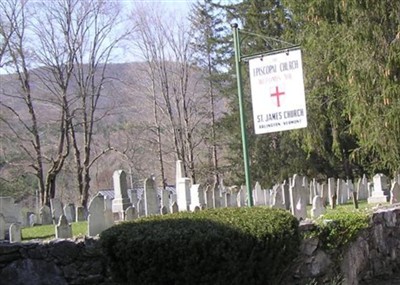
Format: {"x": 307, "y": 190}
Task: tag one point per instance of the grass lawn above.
{"x": 48, "y": 231}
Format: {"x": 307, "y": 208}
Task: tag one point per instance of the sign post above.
{"x": 277, "y": 94}
{"x": 236, "y": 41}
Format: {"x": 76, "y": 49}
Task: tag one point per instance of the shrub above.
{"x": 223, "y": 246}
{"x": 336, "y": 229}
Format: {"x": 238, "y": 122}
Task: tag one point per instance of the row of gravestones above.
{"x": 52, "y": 214}
{"x": 294, "y": 196}
{"x": 62, "y": 230}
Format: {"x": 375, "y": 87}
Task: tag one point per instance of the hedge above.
{"x": 221, "y": 246}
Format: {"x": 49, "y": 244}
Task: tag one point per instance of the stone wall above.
{"x": 373, "y": 256}
{"x": 59, "y": 261}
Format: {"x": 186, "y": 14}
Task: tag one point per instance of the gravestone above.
{"x": 223, "y": 200}
{"x": 121, "y": 200}
{"x": 241, "y": 198}
{"x": 395, "y": 193}
{"x": 277, "y": 197}
{"x": 258, "y": 195}
{"x": 80, "y": 214}
{"x": 350, "y": 189}
{"x": 96, "y": 220}
{"x": 179, "y": 174}
{"x": 15, "y": 233}
{"x": 3, "y": 227}
{"x": 56, "y": 209}
{"x": 313, "y": 190}
{"x": 133, "y": 197}
{"x": 11, "y": 211}
{"x": 234, "y": 195}
{"x": 130, "y": 214}
{"x": 27, "y": 220}
{"x": 165, "y": 200}
{"x": 216, "y": 191}
{"x": 332, "y": 194}
{"x": 196, "y": 197}
{"x": 69, "y": 212}
{"x": 306, "y": 194}
{"x": 267, "y": 197}
{"x": 325, "y": 193}
{"x": 140, "y": 208}
{"x": 108, "y": 203}
{"x": 342, "y": 192}
{"x": 151, "y": 201}
{"x": 174, "y": 207}
{"x": 362, "y": 188}
{"x": 228, "y": 199}
{"x": 209, "y": 197}
{"x": 379, "y": 193}
{"x": 286, "y": 195}
{"x": 318, "y": 207}
{"x": 63, "y": 228}
{"x": 298, "y": 201}
{"x": 32, "y": 220}
{"x": 45, "y": 215}
{"x": 183, "y": 194}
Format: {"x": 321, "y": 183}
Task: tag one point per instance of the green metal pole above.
{"x": 236, "y": 42}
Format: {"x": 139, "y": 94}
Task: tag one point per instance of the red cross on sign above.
{"x": 277, "y": 94}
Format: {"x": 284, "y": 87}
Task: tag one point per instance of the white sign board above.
{"x": 277, "y": 91}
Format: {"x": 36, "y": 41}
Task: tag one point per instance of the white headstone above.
{"x": 216, "y": 191}
{"x": 32, "y": 220}
{"x": 234, "y": 196}
{"x": 298, "y": 201}
{"x": 56, "y": 209}
{"x": 96, "y": 219}
{"x": 196, "y": 197}
{"x": 277, "y": 197}
{"x": 313, "y": 190}
{"x": 121, "y": 200}
{"x": 267, "y": 197}
{"x": 325, "y": 193}
{"x": 15, "y": 233}
{"x": 209, "y": 198}
{"x": 241, "y": 198}
{"x": 318, "y": 207}
{"x": 395, "y": 193}
{"x": 183, "y": 194}
{"x": 258, "y": 195}
{"x": 378, "y": 194}
{"x": 179, "y": 173}
{"x": 342, "y": 192}
{"x": 69, "y": 212}
{"x": 286, "y": 195}
{"x": 306, "y": 194}
{"x": 151, "y": 201}
{"x": 331, "y": 190}
{"x": 63, "y": 228}
{"x": 362, "y": 188}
